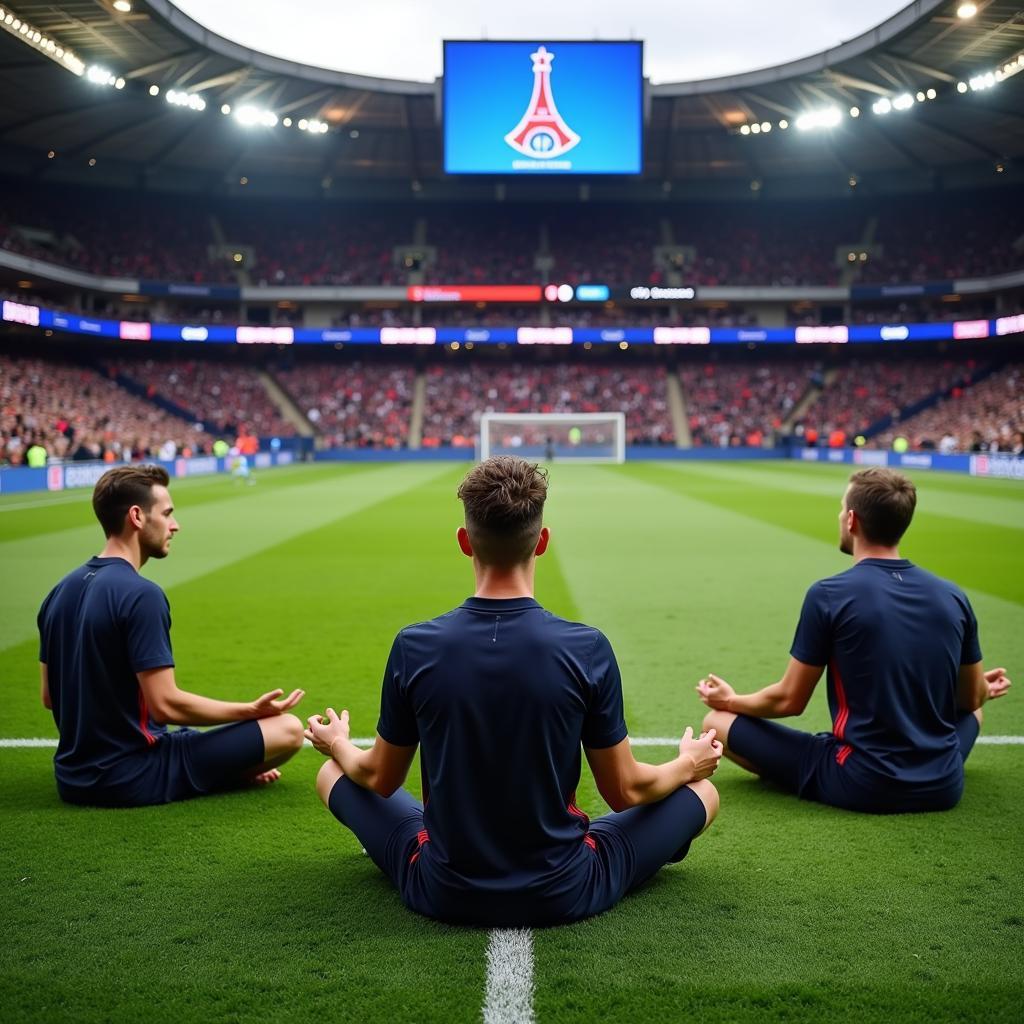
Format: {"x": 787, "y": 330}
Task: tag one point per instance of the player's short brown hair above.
{"x": 119, "y": 489}
{"x": 884, "y": 501}
{"x": 504, "y": 502}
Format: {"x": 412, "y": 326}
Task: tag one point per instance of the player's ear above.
{"x": 462, "y": 536}
{"x": 135, "y": 516}
{"x": 542, "y": 542}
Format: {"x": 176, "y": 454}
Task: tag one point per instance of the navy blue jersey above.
{"x": 893, "y": 637}
{"x": 500, "y": 694}
{"x": 99, "y": 626}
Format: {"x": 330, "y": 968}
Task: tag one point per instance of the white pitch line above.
{"x": 509, "y": 995}
{"x": 634, "y": 741}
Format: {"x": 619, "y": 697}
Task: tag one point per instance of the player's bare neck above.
{"x": 863, "y": 550}
{"x": 501, "y": 584}
{"x": 118, "y": 547}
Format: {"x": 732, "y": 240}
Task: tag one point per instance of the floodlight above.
{"x": 961, "y": 87}
{"x": 903, "y": 102}
{"x": 744, "y": 129}
{"x": 931, "y": 94}
{"x": 965, "y": 11}
{"x": 766, "y": 126}
{"x": 154, "y": 90}
{"x": 124, "y": 6}
{"x": 252, "y": 117}
{"x": 783, "y": 124}
{"x": 826, "y": 117}
{"x": 755, "y": 128}
{"x": 854, "y": 111}
{"x": 882, "y": 106}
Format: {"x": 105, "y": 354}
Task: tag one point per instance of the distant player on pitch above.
{"x": 108, "y": 673}
{"x": 905, "y": 680}
{"x": 500, "y": 694}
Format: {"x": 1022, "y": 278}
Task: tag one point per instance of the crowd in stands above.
{"x": 227, "y": 398}
{"x": 456, "y": 397}
{"x": 864, "y": 392}
{"x": 744, "y": 403}
{"x": 938, "y": 239}
{"x": 162, "y": 407}
{"x": 353, "y": 405}
{"x": 73, "y": 412}
{"x": 305, "y": 242}
{"x": 987, "y": 416}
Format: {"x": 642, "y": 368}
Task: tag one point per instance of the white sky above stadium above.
{"x": 683, "y": 39}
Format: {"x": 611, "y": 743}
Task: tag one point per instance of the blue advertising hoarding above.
{"x": 523, "y": 108}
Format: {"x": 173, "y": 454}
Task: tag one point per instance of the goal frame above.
{"x": 617, "y": 418}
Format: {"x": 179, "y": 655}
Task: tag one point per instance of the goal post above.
{"x": 554, "y": 436}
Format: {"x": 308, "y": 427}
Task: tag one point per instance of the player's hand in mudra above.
{"x": 273, "y": 703}
{"x": 715, "y": 692}
{"x": 998, "y": 682}
{"x": 322, "y": 734}
{"x": 705, "y": 752}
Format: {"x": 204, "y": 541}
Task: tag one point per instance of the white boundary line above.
{"x": 508, "y": 998}
{"x": 638, "y": 741}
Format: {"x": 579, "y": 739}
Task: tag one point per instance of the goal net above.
{"x": 579, "y": 437}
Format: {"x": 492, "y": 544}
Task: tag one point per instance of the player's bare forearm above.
{"x": 772, "y": 701}
{"x": 356, "y": 763}
{"x": 184, "y": 708}
{"x": 654, "y": 782}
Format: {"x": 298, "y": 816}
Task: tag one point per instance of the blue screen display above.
{"x": 522, "y": 108}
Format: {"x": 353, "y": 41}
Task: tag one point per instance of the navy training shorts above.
{"x": 805, "y": 763}
{"x": 184, "y": 763}
{"x": 618, "y": 853}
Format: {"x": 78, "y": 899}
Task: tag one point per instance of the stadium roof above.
{"x": 389, "y": 130}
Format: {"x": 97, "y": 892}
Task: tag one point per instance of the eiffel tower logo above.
{"x": 542, "y": 132}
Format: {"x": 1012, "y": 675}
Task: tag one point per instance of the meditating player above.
{"x": 905, "y": 679}
{"x": 500, "y": 694}
{"x": 108, "y": 673}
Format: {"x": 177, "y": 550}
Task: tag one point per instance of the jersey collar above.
{"x": 499, "y": 604}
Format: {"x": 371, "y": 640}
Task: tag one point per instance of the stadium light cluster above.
{"x": 101, "y": 76}
{"x": 832, "y": 116}
{"x": 31, "y": 36}
{"x": 252, "y": 117}
{"x": 183, "y": 99}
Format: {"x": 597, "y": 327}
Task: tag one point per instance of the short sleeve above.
{"x": 813, "y": 641}
{"x": 605, "y": 722}
{"x": 147, "y": 626}
{"x": 970, "y": 653}
{"x": 41, "y": 625}
{"x": 397, "y": 722}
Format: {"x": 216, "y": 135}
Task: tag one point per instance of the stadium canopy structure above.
{"x": 136, "y": 98}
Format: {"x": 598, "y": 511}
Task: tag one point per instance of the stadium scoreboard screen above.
{"x": 546, "y": 107}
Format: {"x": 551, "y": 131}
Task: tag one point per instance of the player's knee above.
{"x": 708, "y": 796}
{"x": 720, "y": 721}
{"x": 325, "y": 779}
{"x": 293, "y": 732}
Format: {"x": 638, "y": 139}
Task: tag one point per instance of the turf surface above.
{"x": 256, "y": 906}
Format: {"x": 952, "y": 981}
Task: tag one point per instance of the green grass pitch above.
{"x": 256, "y": 906}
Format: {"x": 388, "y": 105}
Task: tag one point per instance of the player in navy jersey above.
{"x": 108, "y": 673}
{"x": 499, "y": 695}
{"x": 905, "y": 678}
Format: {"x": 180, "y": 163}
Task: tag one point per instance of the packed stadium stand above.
{"x": 455, "y": 397}
{"x": 74, "y": 412}
{"x": 155, "y": 236}
{"x": 987, "y": 416}
{"x": 861, "y": 393}
{"x": 225, "y": 397}
{"x": 353, "y": 404}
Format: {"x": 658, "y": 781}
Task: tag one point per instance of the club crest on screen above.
{"x": 542, "y": 133}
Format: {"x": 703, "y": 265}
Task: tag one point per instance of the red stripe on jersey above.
{"x": 843, "y": 753}
{"x": 839, "y": 726}
{"x": 421, "y": 837}
{"x": 144, "y": 719}
{"x": 590, "y": 841}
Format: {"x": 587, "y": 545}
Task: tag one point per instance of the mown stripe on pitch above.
{"x": 213, "y": 535}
